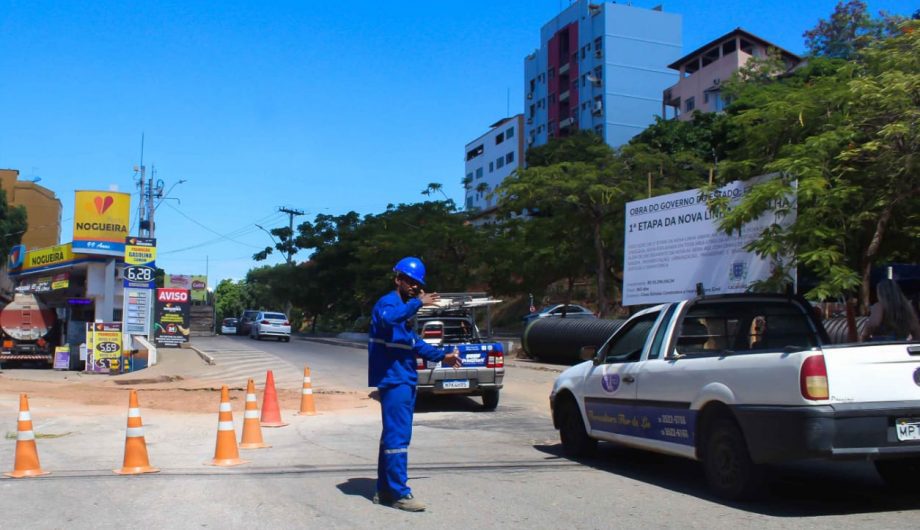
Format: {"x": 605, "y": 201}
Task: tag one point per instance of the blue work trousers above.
{"x": 397, "y": 404}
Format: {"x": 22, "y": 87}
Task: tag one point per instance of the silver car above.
{"x": 269, "y": 324}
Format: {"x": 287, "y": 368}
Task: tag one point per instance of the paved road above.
{"x": 474, "y": 468}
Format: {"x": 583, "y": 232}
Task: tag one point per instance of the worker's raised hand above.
{"x": 429, "y": 298}
{"x": 452, "y": 359}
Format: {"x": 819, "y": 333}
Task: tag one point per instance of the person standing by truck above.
{"x": 892, "y": 317}
{"x": 392, "y": 348}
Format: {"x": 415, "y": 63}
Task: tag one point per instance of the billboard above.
{"x": 672, "y": 242}
{"x": 171, "y": 319}
{"x": 100, "y": 222}
{"x": 196, "y": 283}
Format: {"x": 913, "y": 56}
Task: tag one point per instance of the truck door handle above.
{"x": 629, "y": 379}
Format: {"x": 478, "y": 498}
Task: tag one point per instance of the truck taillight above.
{"x": 496, "y": 359}
{"x": 432, "y": 334}
{"x": 813, "y": 378}
{"x": 419, "y": 363}
{"x": 266, "y": 322}
{"x": 7, "y": 344}
{"x": 286, "y": 323}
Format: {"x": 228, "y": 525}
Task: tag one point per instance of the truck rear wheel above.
{"x": 729, "y": 469}
{"x": 572, "y": 433}
{"x": 900, "y": 473}
{"x": 490, "y": 399}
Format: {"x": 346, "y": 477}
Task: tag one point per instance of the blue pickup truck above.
{"x": 452, "y": 326}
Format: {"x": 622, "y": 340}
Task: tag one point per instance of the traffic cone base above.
{"x": 26, "y": 460}
{"x": 136, "y": 461}
{"x": 252, "y": 430}
{"x": 27, "y": 473}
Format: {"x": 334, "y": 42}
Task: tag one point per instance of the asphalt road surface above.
{"x": 475, "y": 469}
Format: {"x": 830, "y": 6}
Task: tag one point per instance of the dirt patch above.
{"x": 163, "y": 394}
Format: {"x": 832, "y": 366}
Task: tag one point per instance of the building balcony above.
{"x": 564, "y": 68}
{"x": 564, "y": 96}
{"x": 568, "y": 122}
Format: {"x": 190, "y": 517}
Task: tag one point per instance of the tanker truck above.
{"x": 26, "y": 323}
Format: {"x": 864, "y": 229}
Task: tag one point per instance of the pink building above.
{"x": 703, "y": 70}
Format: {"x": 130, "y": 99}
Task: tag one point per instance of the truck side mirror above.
{"x": 587, "y": 353}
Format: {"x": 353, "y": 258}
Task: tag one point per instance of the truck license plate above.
{"x": 908, "y": 429}
{"x": 456, "y": 383}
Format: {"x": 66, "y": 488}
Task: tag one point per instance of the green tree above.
{"x": 843, "y": 136}
{"x": 573, "y": 187}
{"x": 850, "y": 29}
{"x": 230, "y": 299}
{"x": 13, "y": 224}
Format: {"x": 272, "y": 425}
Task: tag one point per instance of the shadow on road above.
{"x": 359, "y": 487}
{"x": 806, "y": 489}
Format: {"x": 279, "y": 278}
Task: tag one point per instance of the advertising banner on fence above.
{"x": 672, "y": 243}
{"x": 171, "y": 319}
{"x": 100, "y": 222}
{"x": 196, "y": 283}
{"x": 140, "y": 262}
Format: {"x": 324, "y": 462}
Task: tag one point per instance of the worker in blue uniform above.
{"x": 392, "y": 348}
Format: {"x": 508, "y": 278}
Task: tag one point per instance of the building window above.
{"x": 474, "y": 152}
{"x": 491, "y": 167}
{"x": 509, "y": 133}
{"x": 469, "y": 176}
{"x": 509, "y": 158}
{"x": 479, "y": 172}
{"x": 690, "y": 104}
{"x": 728, "y": 47}
{"x": 582, "y": 52}
{"x": 551, "y": 72}
{"x": 499, "y": 162}
{"x": 499, "y": 138}
{"x": 717, "y": 104}
{"x": 599, "y": 129}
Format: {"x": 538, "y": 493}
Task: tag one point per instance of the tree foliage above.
{"x": 849, "y": 29}
{"x": 13, "y": 224}
{"x": 846, "y": 132}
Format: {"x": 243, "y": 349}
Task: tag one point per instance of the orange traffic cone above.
{"x": 27, "y": 464}
{"x": 271, "y": 411}
{"x": 307, "y": 407}
{"x": 226, "y": 452}
{"x": 252, "y": 431}
{"x": 136, "y": 461}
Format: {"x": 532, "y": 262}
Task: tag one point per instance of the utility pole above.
{"x": 291, "y": 213}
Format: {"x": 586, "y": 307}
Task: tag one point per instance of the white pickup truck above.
{"x": 738, "y": 381}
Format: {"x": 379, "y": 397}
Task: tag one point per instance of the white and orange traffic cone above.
{"x": 271, "y": 410}
{"x": 252, "y": 430}
{"x": 27, "y": 464}
{"x": 226, "y": 453}
{"x": 136, "y": 461}
{"x": 307, "y": 407}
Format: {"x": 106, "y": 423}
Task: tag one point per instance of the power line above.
{"x": 244, "y": 230}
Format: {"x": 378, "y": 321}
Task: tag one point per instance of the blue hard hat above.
{"x": 411, "y": 267}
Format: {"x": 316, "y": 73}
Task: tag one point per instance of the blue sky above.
{"x": 325, "y": 107}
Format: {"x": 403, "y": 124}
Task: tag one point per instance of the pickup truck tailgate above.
{"x": 872, "y": 372}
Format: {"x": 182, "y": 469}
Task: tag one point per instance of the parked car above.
{"x": 228, "y": 326}
{"x": 559, "y": 310}
{"x": 453, "y": 327}
{"x": 271, "y": 324}
{"x": 244, "y": 326}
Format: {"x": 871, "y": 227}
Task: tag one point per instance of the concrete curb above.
{"x": 204, "y": 356}
{"x": 335, "y": 342}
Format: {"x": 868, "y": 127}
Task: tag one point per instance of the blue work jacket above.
{"x": 392, "y": 343}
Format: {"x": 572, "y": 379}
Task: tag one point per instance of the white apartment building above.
{"x": 490, "y": 159}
